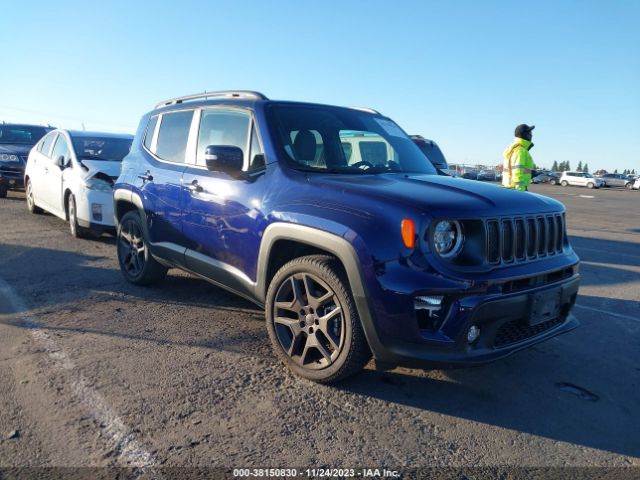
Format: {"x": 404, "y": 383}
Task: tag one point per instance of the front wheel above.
{"x": 590, "y": 185}
{"x": 4, "y": 189}
{"x": 564, "y": 183}
{"x": 76, "y": 230}
{"x": 312, "y": 320}
{"x": 136, "y": 263}
{"x": 628, "y": 186}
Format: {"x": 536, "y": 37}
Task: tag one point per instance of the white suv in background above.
{"x": 71, "y": 174}
{"x": 580, "y": 179}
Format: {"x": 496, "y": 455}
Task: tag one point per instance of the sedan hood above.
{"x": 441, "y": 196}
{"x": 111, "y": 169}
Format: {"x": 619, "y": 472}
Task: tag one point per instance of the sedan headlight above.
{"x": 448, "y": 238}
{"x": 98, "y": 185}
{"x": 9, "y": 157}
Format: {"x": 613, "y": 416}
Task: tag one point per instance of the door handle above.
{"x": 146, "y": 176}
{"x": 193, "y": 187}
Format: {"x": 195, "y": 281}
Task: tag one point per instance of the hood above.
{"x": 441, "y": 196}
{"x": 17, "y": 148}
{"x": 111, "y": 169}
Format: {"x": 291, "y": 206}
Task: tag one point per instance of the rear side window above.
{"x": 173, "y": 136}
{"x": 223, "y": 127}
{"x": 46, "y": 144}
{"x": 61, "y": 149}
{"x": 151, "y": 128}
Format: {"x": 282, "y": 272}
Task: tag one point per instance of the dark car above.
{"x": 617, "y": 180}
{"x": 432, "y": 152}
{"x": 352, "y": 251}
{"x": 16, "y": 140}
{"x": 551, "y": 178}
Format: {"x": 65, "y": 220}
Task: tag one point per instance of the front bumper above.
{"x": 12, "y": 179}
{"x": 504, "y": 329}
{"x": 95, "y": 210}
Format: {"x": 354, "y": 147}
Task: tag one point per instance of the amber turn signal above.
{"x": 408, "y": 230}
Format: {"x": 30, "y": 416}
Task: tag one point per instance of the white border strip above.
{"x": 127, "y": 449}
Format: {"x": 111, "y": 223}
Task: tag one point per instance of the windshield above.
{"x": 101, "y": 148}
{"x": 21, "y": 134}
{"x": 342, "y": 140}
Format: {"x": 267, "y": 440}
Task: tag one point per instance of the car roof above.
{"x": 82, "y": 133}
{"x": 7, "y": 124}
{"x": 251, "y": 103}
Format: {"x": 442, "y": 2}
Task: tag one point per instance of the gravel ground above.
{"x": 96, "y": 372}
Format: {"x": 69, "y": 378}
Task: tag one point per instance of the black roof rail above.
{"x": 222, "y": 93}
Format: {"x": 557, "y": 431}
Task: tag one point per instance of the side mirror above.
{"x": 60, "y": 162}
{"x": 224, "y": 158}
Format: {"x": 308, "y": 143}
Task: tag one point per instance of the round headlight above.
{"x": 447, "y": 238}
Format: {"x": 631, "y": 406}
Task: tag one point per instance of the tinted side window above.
{"x": 222, "y": 127}
{"x": 46, "y": 145}
{"x": 61, "y": 149}
{"x": 151, "y": 128}
{"x": 173, "y": 136}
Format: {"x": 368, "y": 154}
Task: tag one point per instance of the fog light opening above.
{"x": 96, "y": 211}
{"x": 428, "y": 310}
{"x": 473, "y": 333}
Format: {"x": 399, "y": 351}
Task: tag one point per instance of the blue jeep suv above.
{"x": 333, "y": 220}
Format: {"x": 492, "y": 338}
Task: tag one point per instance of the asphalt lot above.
{"x": 96, "y": 372}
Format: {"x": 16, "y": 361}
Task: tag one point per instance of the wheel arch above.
{"x": 305, "y": 239}
{"x": 125, "y": 201}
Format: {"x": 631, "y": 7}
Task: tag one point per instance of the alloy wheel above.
{"x": 30, "y": 201}
{"x": 131, "y": 248}
{"x": 308, "y": 321}
{"x": 73, "y": 225}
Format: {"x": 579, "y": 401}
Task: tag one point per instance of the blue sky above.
{"x": 463, "y": 73}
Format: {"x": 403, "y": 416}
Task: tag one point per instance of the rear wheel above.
{"x": 136, "y": 263}
{"x": 564, "y": 183}
{"x": 312, "y": 320}
{"x": 590, "y": 185}
{"x": 31, "y": 203}
{"x": 628, "y": 186}
{"x": 3, "y": 191}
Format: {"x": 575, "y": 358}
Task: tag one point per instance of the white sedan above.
{"x": 636, "y": 184}
{"x": 71, "y": 175}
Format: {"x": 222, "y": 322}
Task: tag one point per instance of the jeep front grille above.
{"x": 516, "y": 239}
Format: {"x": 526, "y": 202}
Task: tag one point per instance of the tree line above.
{"x": 566, "y": 167}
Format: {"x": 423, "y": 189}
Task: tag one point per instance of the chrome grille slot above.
{"x": 520, "y": 238}
{"x": 532, "y": 237}
{"x": 493, "y": 241}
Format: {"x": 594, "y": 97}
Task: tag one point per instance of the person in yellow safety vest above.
{"x": 516, "y": 172}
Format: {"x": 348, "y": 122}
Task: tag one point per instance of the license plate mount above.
{"x": 545, "y": 306}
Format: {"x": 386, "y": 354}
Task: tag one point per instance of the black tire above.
{"x": 628, "y": 186}
{"x": 136, "y": 262}
{"x": 306, "y": 333}
{"x": 76, "y": 230}
{"x": 553, "y": 182}
{"x": 564, "y": 183}
{"x": 31, "y": 203}
{"x": 4, "y": 189}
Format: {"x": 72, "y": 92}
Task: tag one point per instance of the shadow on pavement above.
{"x": 532, "y": 392}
